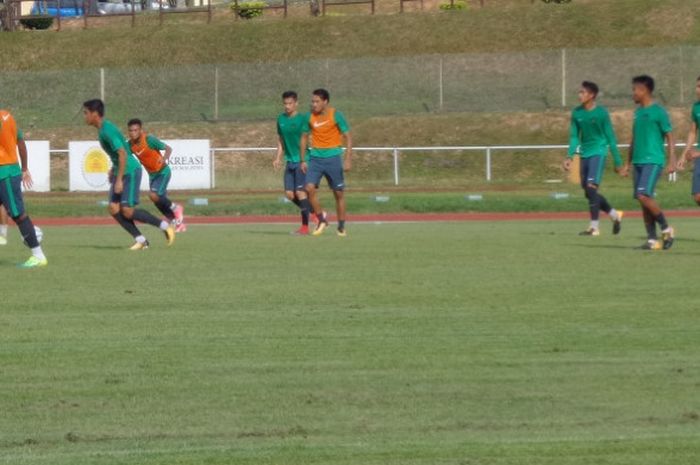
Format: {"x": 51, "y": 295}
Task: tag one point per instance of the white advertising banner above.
{"x": 39, "y": 161}
{"x": 190, "y": 162}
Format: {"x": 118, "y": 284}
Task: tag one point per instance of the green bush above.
{"x": 457, "y": 5}
{"x": 556, "y": 1}
{"x": 37, "y": 23}
{"x": 249, "y": 10}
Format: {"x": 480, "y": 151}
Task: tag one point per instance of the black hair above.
{"x": 290, "y": 94}
{"x": 95, "y": 106}
{"x": 135, "y": 122}
{"x": 646, "y": 81}
{"x": 323, "y": 93}
{"x": 591, "y": 87}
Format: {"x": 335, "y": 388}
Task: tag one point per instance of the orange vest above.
{"x": 8, "y": 139}
{"x": 325, "y": 133}
{"x": 151, "y": 159}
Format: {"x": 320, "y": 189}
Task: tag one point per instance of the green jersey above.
{"x": 651, "y": 124}
{"x": 591, "y": 134}
{"x": 695, "y": 118}
{"x": 9, "y": 171}
{"x": 290, "y": 129}
{"x": 111, "y": 140}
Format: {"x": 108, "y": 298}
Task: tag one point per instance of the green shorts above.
{"x": 11, "y": 195}
{"x": 159, "y": 181}
{"x": 130, "y": 193}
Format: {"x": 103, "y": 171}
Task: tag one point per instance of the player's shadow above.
{"x": 102, "y": 247}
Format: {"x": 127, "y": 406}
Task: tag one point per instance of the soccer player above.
{"x": 652, "y": 126}
{"x": 591, "y": 135}
{"x": 291, "y": 126}
{"x": 125, "y": 178}
{"x": 691, "y": 151}
{"x": 147, "y": 149}
{"x": 327, "y": 126}
{"x": 12, "y": 178}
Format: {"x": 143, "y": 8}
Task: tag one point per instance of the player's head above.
{"x": 642, "y": 88}
{"x": 588, "y": 92}
{"x": 93, "y": 111}
{"x": 135, "y": 127}
{"x": 290, "y": 100}
{"x": 319, "y": 100}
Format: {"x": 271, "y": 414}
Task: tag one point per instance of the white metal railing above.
{"x": 487, "y": 149}
{"x": 396, "y": 151}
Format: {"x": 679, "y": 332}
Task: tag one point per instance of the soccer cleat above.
{"x": 668, "y": 235}
{"x": 180, "y": 228}
{"x": 320, "y": 227}
{"x": 34, "y": 262}
{"x": 314, "y": 218}
{"x": 139, "y": 246}
{"x": 302, "y": 231}
{"x": 617, "y": 224}
{"x": 590, "y": 232}
{"x": 3, "y": 240}
{"x": 651, "y": 244}
{"x": 342, "y": 233}
{"x": 170, "y": 235}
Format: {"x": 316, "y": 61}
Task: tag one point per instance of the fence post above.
{"x": 216, "y": 93}
{"x": 440, "y": 84}
{"x": 396, "y": 166}
{"x": 680, "y": 74}
{"x": 213, "y": 168}
{"x": 488, "y": 164}
{"x": 563, "y": 77}
{"x": 102, "y": 84}
{"x": 58, "y": 16}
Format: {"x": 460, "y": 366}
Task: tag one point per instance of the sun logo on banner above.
{"x": 96, "y": 166}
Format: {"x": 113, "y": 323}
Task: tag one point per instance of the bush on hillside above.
{"x": 249, "y": 10}
{"x": 556, "y": 1}
{"x": 37, "y": 23}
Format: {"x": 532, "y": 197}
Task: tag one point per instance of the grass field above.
{"x": 464, "y": 343}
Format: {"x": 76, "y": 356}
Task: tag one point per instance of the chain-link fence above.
{"x": 515, "y": 81}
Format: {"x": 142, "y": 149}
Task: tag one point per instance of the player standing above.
{"x": 327, "y": 127}
{"x": 691, "y": 152}
{"x": 12, "y": 178}
{"x": 291, "y": 126}
{"x": 591, "y": 135}
{"x": 125, "y": 178}
{"x": 652, "y": 126}
{"x": 147, "y": 149}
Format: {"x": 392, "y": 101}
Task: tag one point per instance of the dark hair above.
{"x": 646, "y": 81}
{"x": 95, "y": 106}
{"x": 289, "y": 94}
{"x": 135, "y": 122}
{"x": 591, "y": 87}
{"x": 323, "y": 93}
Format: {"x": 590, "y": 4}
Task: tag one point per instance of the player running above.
{"x": 12, "y": 178}
{"x": 652, "y": 126}
{"x": 291, "y": 126}
{"x": 147, "y": 149}
{"x": 591, "y": 135}
{"x": 125, "y": 178}
{"x": 691, "y": 152}
{"x": 327, "y": 127}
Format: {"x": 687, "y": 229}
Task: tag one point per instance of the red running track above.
{"x": 373, "y": 218}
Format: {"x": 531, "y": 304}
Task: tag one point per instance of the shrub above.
{"x": 556, "y": 1}
{"x": 456, "y": 5}
{"x": 37, "y": 23}
{"x": 249, "y": 10}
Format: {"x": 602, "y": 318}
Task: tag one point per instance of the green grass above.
{"x": 472, "y": 343}
{"x": 502, "y": 26}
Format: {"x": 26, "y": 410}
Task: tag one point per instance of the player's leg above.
{"x": 290, "y": 193}
{"x": 595, "y": 178}
{"x": 159, "y": 195}
{"x": 696, "y": 182}
{"x": 127, "y": 224}
{"x": 592, "y": 229}
{"x": 313, "y": 178}
{"x": 336, "y": 181}
{"x": 11, "y": 198}
{"x": 645, "y": 193}
{"x": 130, "y": 201}
{"x": 3, "y": 225}
{"x": 302, "y": 198}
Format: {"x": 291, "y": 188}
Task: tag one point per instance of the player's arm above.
{"x": 574, "y": 143}
{"x": 690, "y": 153}
{"x": 347, "y": 162}
{"x": 24, "y": 159}
{"x": 121, "y": 168}
{"x": 303, "y": 144}
{"x": 671, "y": 147}
{"x": 168, "y": 152}
{"x": 277, "y": 162}
{"x": 612, "y": 144}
